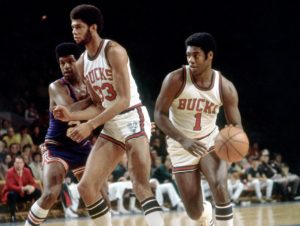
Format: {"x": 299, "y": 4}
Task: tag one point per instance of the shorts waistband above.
{"x": 131, "y": 108}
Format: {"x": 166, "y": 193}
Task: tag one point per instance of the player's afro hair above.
{"x": 203, "y": 40}
{"x": 67, "y": 48}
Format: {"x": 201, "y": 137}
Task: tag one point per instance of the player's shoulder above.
{"x": 57, "y": 84}
{"x": 227, "y": 88}
{"x": 226, "y": 83}
{"x": 175, "y": 76}
{"x": 114, "y": 47}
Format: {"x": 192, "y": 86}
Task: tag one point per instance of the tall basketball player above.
{"x": 106, "y": 68}
{"x": 60, "y": 153}
{"x": 186, "y": 110}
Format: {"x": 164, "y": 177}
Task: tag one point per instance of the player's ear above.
{"x": 94, "y": 27}
{"x": 210, "y": 55}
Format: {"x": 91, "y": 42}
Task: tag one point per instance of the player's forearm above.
{"x": 80, "y": 105}
{"x": 86, "y": 114}
{"x": 109, "y": 113}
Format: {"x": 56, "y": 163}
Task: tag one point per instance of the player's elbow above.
{"x": 158, "y": 117}
{"x": 124, "y": 103}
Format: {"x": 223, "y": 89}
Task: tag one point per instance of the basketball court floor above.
{"x": 281, "y": 214}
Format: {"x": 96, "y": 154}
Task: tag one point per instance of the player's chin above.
{"x": 67, "y": 76}
{"x": 194, "y": 70}
{"x": 77, "y": 40}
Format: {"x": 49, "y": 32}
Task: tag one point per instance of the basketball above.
{"x": 231, "y": 144}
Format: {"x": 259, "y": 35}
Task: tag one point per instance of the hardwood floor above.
{"x": 280, "y": 214}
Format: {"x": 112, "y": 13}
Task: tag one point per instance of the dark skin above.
{"x": 214, "y": 169}
{"x": 54, "y": 172}
{"x": 105, "y": 154}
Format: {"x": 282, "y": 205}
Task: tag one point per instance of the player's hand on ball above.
{"x": 194, "y": 147}
{"x": 62, "y": 113}
{"x": 80, "y": 132}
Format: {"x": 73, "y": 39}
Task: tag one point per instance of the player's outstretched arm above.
{"x": 64, "y": 114}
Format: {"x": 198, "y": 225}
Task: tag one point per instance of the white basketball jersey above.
{"x": 99, "y": 73}
{"x": 194, "y": 111}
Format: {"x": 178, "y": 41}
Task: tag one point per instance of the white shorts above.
{"x": 182, "y": 160}
{"x": 132, "y": 123}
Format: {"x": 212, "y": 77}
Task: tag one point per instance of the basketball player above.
{"x": 106, "y": 67}
{"x": 186, "y": 111}
{"x": 60, "y": 153}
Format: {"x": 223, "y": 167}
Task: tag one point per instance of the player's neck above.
{"x": 204, "y": 78}
{"x": 203, "y": 75}
{"x": 94, "y": 46}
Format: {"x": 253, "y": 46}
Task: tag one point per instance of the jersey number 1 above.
{"x": 197, "y": 126}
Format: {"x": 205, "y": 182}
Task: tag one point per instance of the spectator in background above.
{"x": 5, "y": 124}
{"x": 26, "y": 150}
{"x": 254, "y": 150}
{"x": 156, "y": 144}
{"x": 36, "y": 166}
{"x": 31, "y": 113}
{"x": 70, "y": 196}
{"x": 11, "y": 137}
{"x": 120, "y": 172}
{"x": 235, "y": 187}
{"x": 163, "y": 173}
{"x": 265, "y": 169}
{"x": 3, "y": 150}
{"x": 25, "y": 137}
{"x": 284, "y": 170}
{"x": 5, "y": 164}
{"x": 258, "y": 181}
{"x": 14, "y": 150}
{"x": 155, "y": 160}
{"x": 37, "y": 136}
{"x": 168, "y": 189}
{"x": 116, "y": 191}
{"x": 19, "y": 187}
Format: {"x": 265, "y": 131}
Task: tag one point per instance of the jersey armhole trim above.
{"x": 220, "y": 87}
{"x": 183, "y": 83}
{"x": 105, "y": 52}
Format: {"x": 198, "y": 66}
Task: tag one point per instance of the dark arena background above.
{"x": 258, "y": 49}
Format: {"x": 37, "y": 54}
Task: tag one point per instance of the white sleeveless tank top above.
{"x": 194, "y": 111}
{"x": 99, "y": 73}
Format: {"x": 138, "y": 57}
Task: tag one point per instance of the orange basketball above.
{"x": 231, "y": 144}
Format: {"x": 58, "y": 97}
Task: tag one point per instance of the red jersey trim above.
{"x": 201, "y": 88}
{"x": 183, "y": 83}
{"x": 119, "y": 143}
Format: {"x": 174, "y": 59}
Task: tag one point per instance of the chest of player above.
{"x": 185, "y": 104}
{"x": 99, "y": 75}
